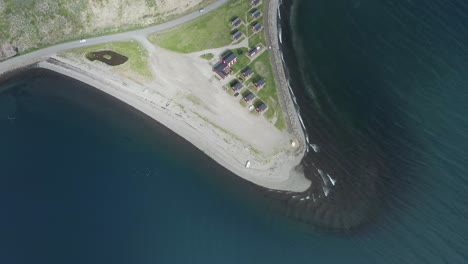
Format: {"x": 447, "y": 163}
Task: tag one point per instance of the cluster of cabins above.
{"x": 223, "y": 69}
{"x": 236, "y": 22}
{"x": 248, "y": 96}
{"x": 229, "y": 58}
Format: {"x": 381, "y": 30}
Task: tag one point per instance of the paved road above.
{"x": 24, "y": 59}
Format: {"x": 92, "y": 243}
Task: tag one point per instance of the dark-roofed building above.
{"x": 261, "y": 107}
{"x": 254, "y": 2}
{"x": 236, "y": 35}
{"x": 260, "y": 83}
{"x": 257, "y": 27}
{"x": 222, "y": 70}
{"x": 249, "y": 96}
{"x": 229, "y": 58}
{"x": 236, "y": 86}
{"x": 256, "y": 13}
{"x": 247, "y": 72}
{"x": 253, "y": 51}
{"x": 236, "y": 22}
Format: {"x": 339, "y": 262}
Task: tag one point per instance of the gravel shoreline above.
{"x": 203, "y": 124}
{"x": 285, "y": 97}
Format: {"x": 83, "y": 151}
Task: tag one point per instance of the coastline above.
{"x": 274, "y": 163}
{"x": 279, "y": 67}
{"x": 344, "y": 194}
{"x": 276, "y": 172}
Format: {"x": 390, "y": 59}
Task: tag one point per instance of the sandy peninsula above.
{"x": 185, "y": 96}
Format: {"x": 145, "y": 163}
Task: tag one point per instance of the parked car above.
{"x": 236, "y": 94}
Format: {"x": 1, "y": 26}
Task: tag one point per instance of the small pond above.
{"x": 107, "y": 56}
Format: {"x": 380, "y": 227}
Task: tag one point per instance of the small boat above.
{"x": 247, "y": 164}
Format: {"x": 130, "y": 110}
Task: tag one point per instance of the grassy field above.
{"x": 268, "y": 94}
{"x": 242, "y": 60}
{"x": 257, "y": 38}
{"x": 136, "y": 53}
{"x": 209, "y": 31}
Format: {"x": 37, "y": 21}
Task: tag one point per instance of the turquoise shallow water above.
{"x": 85, "y": 179}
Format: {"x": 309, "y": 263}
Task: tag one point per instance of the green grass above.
{"x": 136, "y": 53}
{"x": 207, "y": 56}
{"x": 212, "y": 31}
{"x": 209, "y": 31}
{"x": 269, "y": 93}
{"x": 257, "y": 38}
{"x": 242, "y": 60}
{"x": 260, "y": 7}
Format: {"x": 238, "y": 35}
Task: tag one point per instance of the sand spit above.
{"x": 187, "y": 98}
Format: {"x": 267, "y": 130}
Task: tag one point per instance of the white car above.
{"x": 201, "y": 10}
{"x": 83, "y": 41}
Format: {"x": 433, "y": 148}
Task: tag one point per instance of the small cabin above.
{"x": 229, "y": 58}
{"x": 236, "y": 22}
{"x": 236, "y": 86}
{"x": 253, "y": 51}
{"x": 257, "y": 27}
{"x": 221, "y": 69}
{"x": 261, "y": 107}
{"x": 254, "y": 2}
{"x": 260, "y": 83}
{"x": 236, "y": 35}
{"x": 256, "y": 13}
{"x": 249, "y": 97}
{"x": 247, "y": 72}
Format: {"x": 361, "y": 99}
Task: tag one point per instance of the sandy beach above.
{"x": 185, "y": 96}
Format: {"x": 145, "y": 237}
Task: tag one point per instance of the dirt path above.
{"x": 218, "y": 51}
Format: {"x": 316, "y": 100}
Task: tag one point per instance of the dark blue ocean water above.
{"x": 85, "y": 179}
{"x": 384, "y": 93}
